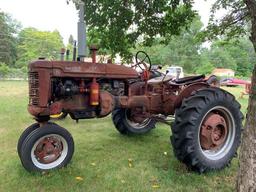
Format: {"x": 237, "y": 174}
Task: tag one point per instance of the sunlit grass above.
{"x": 101, "y": 156}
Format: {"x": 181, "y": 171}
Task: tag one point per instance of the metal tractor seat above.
{"x": 189, "y": 79}
{"x": 160, "y": 79}
{"x": 184, "y": 80}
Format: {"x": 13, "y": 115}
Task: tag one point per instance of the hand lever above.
{"x": 165, "y": 75}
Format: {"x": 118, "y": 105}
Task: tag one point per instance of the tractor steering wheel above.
{"x": 141, "y": 63}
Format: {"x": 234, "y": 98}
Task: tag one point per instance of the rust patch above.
{"x": 48, "y": 150}
{"x": 213, "y": 132}
{"x": 106, "y": 103}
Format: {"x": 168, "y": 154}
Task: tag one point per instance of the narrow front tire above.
{"x": 48, "y": 147}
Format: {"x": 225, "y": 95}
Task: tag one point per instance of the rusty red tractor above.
{"x": 205, "y": 133}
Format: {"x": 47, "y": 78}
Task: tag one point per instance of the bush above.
{"x": 12, "y": 73}
{"x": 16, "y": 73}
{"x": 205, "y": 68}
{"x": 4, "y": 70}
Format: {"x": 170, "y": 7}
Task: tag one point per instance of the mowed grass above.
{"x": 101, "y": 158}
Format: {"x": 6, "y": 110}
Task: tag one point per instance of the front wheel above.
{"x": 126, "y": 123}
{"x": 46, "y": 148}
{"x": 207, "y": 130}
{"x": 24, "y": 134}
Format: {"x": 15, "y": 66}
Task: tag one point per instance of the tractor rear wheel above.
{"x": 207, "y": 130}
{"x": 46, "y": 148}
{"x": 125, "y": 124}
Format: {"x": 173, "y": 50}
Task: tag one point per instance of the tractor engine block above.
{"x": 85, "y": 98}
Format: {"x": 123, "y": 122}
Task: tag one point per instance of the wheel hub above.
{"x": 213, "y": 132}
{"x": 137, "y": 119}
{"x": 136, "y": 115}
{"x": 48, "y": 150}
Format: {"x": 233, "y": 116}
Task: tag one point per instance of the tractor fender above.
{"x": 188, "y": 90}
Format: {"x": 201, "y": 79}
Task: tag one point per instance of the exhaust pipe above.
{"x": 81, "y": 33}
{"x": 74, "y": 51}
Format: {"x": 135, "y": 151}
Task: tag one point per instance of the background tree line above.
{"x": 19, "y": 46}
{"x": 188, "y": 51}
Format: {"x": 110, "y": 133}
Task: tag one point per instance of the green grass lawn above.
{"x": 101, "y": 156}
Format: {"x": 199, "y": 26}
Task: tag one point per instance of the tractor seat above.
{"x": 185, "y": 80}
{"x": 160, "y": 79}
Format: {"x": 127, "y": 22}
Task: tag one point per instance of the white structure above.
{"x": 175, "y": 71}
{"x": 223, "y": 72}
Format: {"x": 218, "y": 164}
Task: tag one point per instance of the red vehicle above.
{"x": 206, "y": 131}
{"x": 233, "y": 82}
{"x": 205, "y": 134}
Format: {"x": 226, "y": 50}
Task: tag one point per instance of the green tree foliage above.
{"x": 94, "y": 38}
{"x": 4, "y": 70}
{"x": 121, "y": 23}
{"x": 235, "y": 23}
{"x": 8, "y": 27}
{"x": 181, "y": 50}
{"x": 186, "y": 50}
{"x": 221, "y": 58}
{"x": 33, "y": 43}
{"x": 242, "y": 53}
{"x": 205, "y": 66}
{"x": 234, "y": 54}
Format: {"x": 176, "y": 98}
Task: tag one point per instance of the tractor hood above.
{"x": 83, "y": 69}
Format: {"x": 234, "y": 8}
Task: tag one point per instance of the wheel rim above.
{"x": 57, "y": 115}
{"x": 49, "y": 151}
{"x": 134, "y": 124}
{"x": 217, "y": 133}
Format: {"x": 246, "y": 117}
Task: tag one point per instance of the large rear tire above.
{"x": 207, "y": 130}
{"x": 45, "y": 148}
{"x": 125, "y": 125}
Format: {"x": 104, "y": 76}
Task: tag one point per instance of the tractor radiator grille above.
{"x": 33, "y": 80}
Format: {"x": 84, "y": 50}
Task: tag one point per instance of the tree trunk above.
{"x": 246, "y": 179}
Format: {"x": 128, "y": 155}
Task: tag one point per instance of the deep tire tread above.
{"x": 185, "y": 127}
